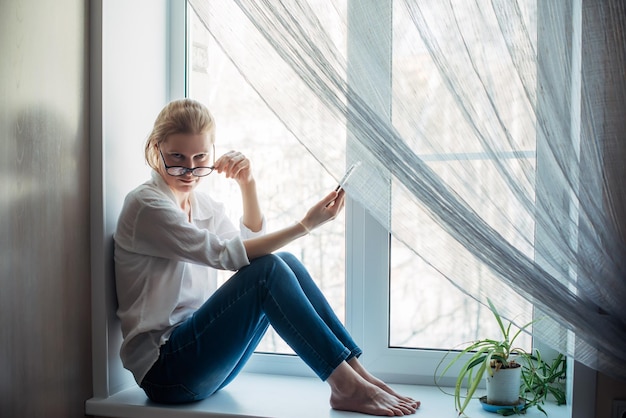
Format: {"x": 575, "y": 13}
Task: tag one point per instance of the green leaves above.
{"x": 487, "y": 355}
{"x": 541, "y": 379}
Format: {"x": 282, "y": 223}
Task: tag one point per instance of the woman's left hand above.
{"x": 236, "y": 166}
{"x": 325, "y": 210}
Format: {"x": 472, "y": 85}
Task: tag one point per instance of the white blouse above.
{"x": 165, "y": 265}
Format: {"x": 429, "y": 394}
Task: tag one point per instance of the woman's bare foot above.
{"x": 351, "y": 392}
{"x": 358, "y": 367}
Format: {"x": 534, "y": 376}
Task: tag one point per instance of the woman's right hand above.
{"x": 325, "y": 210}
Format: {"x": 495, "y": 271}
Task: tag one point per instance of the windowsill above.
{"x": 263, "y": 395}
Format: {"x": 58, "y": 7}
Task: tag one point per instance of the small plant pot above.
{"x": 503, "y": 388}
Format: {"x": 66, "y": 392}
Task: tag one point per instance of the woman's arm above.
{"x": 252, "y": 215}
{"x": 325, "y": 210}
{"x": 235, "y": 165}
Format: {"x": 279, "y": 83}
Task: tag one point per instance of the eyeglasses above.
{"x": 175, "y": 170}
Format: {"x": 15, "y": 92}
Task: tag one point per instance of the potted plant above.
{"x": 541, "y": 379}
{"x": 500, "y": 360}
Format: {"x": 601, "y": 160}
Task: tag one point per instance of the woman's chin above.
{"x": 186, "y": 186}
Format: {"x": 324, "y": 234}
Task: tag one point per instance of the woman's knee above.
{"x": 271, "y": 264}
{"x": 281, "y": 266}
{"x": 289, "y": 258}
{"x": 268, "y": 260}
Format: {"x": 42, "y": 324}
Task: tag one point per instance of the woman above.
{"x": 184, "y": 338}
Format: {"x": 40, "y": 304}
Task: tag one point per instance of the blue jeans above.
{"x": 207, "y": 351}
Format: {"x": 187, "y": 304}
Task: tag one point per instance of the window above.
{"x": 403, "y": 324}
{"x": 424, "y": 306}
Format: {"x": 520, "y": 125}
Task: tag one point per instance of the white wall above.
{"x": 129, "y": 63}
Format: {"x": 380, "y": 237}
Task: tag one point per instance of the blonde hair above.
{"x": 184, "y": 116}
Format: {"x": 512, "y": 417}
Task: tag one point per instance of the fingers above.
{"x": 335, "y": 200}
{"x": 231, "y": 163}
{"x": 234, "y": 165}
{"x": 326, "y": 209}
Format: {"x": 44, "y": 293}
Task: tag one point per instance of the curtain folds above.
{"x": 497, "y": 125}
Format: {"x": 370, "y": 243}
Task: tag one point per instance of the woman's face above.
{"x": 185, "y": 150}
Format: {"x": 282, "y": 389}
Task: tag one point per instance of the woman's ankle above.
{"x": 342, "y": 377}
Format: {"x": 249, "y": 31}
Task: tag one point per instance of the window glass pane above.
{"x": 289, "y": 179}
{"x": 427, "y": 311}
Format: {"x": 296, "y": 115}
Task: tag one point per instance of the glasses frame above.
{"x": 186, "y": 170}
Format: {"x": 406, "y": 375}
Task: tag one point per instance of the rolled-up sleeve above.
{"x": 154, "y": 226}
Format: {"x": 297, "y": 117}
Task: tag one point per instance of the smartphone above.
{"x": 346, "y": 176}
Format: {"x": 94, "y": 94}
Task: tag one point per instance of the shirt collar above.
{"x": 197, "y": 211}
{"x": 160, "y": 184}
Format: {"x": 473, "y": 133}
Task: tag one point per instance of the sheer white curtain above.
{"x": 504, "y": 139}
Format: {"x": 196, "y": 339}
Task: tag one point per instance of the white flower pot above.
{"x": 503, "y": 388}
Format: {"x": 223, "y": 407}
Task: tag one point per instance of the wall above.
{"x": 45, "y": 339}
{"x": 609, "y": 18}
{"x": 129, "y": 72}
{"x": 608, "y": 390}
